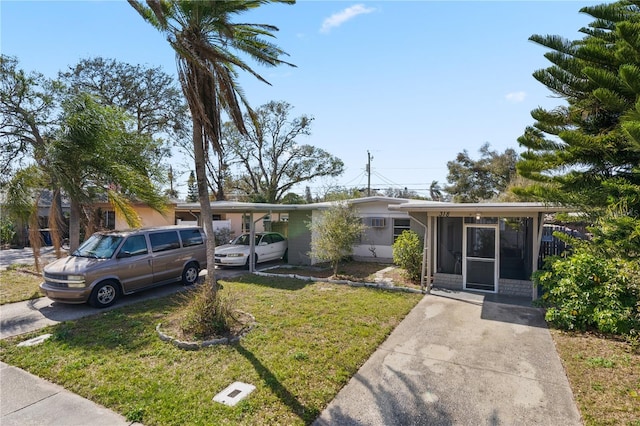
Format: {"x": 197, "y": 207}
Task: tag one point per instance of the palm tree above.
{"x": 435, "y": 191}
{"x": 206, "y": 43}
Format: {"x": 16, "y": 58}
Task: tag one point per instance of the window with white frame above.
{"x": 399, "y": 226}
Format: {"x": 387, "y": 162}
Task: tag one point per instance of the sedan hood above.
{"x": 71, "y": 265}
{"x": 232, "y": 248}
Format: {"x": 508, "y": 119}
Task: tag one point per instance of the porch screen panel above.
{"x": 516, "y": 237}
{"x": 449, "y": 259}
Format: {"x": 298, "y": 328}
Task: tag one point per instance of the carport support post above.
{"x": 425, "y": 248}
{"x": 252, "y": 243}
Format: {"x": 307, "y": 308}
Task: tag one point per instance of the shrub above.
{"x": 407, "y": 254}
{"x": 335, "y": 233}
{"x": 207, "y": 313}
{"x": 587, "y": 291}
{"x": 222, "y": 236}
{"x": 6, "y": 231}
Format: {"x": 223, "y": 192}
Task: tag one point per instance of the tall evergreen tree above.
{"x": 583, "y": 153}
{"x": 192, "y": 188}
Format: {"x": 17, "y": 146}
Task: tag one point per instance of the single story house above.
{"x": 489, "y": 247}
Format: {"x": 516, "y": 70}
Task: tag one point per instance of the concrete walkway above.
{"x": 460, "y": 359}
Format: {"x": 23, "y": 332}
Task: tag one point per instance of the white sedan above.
{"x": 268, "y": 246}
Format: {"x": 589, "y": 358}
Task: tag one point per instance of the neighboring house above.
{"x": 488, "y": 247}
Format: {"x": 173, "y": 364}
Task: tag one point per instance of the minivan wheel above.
{"x": 104, "y": 294}
{"x": 190, "y": 274}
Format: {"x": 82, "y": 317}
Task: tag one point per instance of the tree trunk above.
{"x": 205, "y": 205}
{"x": 74, "y": 226}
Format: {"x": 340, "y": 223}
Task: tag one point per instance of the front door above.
{"x": 480, "y": 263}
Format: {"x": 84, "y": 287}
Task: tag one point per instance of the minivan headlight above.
{"x": 235, "y": 255}
{"x": 75, "y": 281}
{"x": 75, "y": 278}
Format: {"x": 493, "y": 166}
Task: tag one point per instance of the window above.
{"x": 135, "y": 245}
{"x": 276, "y": 238}
{"x": 377, "y": 222}
{"x": 162, "y": 241}
{"x": 399, "y": 226}
{"x": 109, "y": 220}
{"x": 191, "y": 237}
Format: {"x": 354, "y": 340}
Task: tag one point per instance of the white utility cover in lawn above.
{"x": 234, "y": 393}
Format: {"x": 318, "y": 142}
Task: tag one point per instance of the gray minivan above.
{"x": 114, "y": 263}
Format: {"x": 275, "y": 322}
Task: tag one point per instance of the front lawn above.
{"x": 18, "y": 283}
{"x": 309, "y": 340}
{"x": 604, "y": 376}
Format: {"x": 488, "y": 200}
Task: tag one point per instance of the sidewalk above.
{"x": 25, "y": 256}
{"x": 30, "y": 400}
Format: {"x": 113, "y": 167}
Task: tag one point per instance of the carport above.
{"x": 255, "y": 212}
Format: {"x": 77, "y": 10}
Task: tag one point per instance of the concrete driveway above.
{"x": 460, "y": 359}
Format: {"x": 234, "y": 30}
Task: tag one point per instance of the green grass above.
{"x": 18, "y": 283}
{"x": 309, "y": 340}
{"x": 605, "y": 377}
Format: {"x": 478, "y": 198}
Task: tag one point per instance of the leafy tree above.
{"x": 148, "y": 94}
{"x": 483, "y": 179}
{"x": 270, "y": 156}
{"x": 207, "y": 44}
{"x": 27, "y": 103}
{"x": 334, "y": 233}
{"x": 94, "y": 156}
{"x": 192, "y": 189}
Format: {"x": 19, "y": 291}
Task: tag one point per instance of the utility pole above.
{"x": 369, "y": 158}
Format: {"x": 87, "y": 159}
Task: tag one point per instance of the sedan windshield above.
{"x": 244, "y": 239}
{"x": 99, "y": 246}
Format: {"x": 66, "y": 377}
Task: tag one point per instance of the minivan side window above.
{"x": 135, "y": 245}
{"x": 162, "y": 241}
{"x": 191, "y": 237}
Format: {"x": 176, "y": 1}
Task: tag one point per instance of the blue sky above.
{"x": 412, "y": 82}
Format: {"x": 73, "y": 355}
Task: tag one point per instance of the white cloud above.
{"x": 515, "y": 97}
{"x": 343, "y": 16}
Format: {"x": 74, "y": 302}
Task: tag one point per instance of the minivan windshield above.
{"x": 99, "y": 246}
